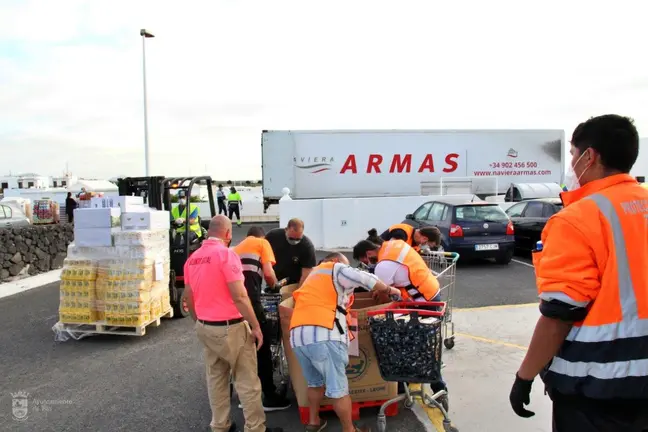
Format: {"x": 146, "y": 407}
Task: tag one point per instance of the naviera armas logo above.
{"x": 314, "y": 164}
{"x": 20, "y": 405}
{"x": 512, "y": 153}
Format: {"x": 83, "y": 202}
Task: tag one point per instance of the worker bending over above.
{"x": 179, "y": 214}
{"x": 257, "y": 259}
{"x": 399, "y": 265}
{"x": 419, "y": 238}
{"x": 320, "y": 335}
{"x": 590, "y": 345}
{"x": 366, "y": 253}
{"x": 235, "y": 204}
{"x": 227, "y": 327}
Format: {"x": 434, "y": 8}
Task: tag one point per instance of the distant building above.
{"x": 24, "y": 181}
{"x": 64, "y": 181}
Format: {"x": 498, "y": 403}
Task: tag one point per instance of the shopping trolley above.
{"x": 407, "y": 338}
{"x": 444, "y": 266}
{"x": 271, "y": 303}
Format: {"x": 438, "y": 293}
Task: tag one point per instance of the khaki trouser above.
{"x": 231, "y": 349}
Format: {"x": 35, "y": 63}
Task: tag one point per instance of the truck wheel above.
{"x": 180, "y": 309}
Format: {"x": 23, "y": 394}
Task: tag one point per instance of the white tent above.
{"x": 93, "y": 186}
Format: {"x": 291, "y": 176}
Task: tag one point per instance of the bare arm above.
{"x": 269, "y": 275}
{"x": 547, "y": 339}
{"x": 242, "y": 302}
{"x": 304, "y": 274}
{"x": 382, "y": 288}
{"x": 350, "y": 278}
{"x": 190, "y": 302}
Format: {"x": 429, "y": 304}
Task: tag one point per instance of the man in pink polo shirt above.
{"x": 227, "y": 327}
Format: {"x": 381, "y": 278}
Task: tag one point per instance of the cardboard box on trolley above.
{"x": 365, "y": 382}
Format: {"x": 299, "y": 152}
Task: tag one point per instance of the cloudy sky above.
{"x": 221, "y": 71}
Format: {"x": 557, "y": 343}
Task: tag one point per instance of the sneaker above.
{"x": 276, "y": 403}
{"x": 316, "y": 428}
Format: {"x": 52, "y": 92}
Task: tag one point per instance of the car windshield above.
{"x": 480, "y": 213}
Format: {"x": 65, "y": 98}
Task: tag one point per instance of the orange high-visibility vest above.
{"x": 409, "y": 229}
{"x": 594, "y": 257}
{"x": 317, "y": 302}
{"x": 424, "y": 286}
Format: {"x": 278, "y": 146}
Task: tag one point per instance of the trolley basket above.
{"x": 444, "y": 266}
{"x": 270, "y": 304}
{"x": 408, "y": 339}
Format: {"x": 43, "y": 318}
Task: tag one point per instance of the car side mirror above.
{"x": 409, "y": 216}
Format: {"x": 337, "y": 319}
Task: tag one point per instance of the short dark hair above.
{"x": 432, "y": 233}
{"x": 332, "y": 256}
{"x": 256, "y": 231}
{"x": 362, "y": 247}
{"x": 612, "y": 136}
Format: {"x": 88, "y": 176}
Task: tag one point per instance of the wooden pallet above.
{"x": 391, "y": 411}
{"x": 100, "y": 327}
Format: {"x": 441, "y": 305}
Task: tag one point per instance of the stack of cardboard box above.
{"x": 117, "y": 270}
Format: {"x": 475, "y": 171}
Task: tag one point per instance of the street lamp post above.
{"x": 145, "y": 34}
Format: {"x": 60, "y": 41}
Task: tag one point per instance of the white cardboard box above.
{"x": 129, "y": 203}
{"x": 146, "y": 221}
{"x": 93, "y": 237}
{"x": 102, "y": 202}
{"x": 97, "y": 218}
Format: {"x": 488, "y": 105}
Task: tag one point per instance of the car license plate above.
{"x": 486, "y": 247}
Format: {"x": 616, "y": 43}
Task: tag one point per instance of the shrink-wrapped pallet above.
{"x": 80, "y": 303}
{"x": 126, "y": 284}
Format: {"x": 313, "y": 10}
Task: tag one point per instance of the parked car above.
{"x": 473, "y": 229}
{"x": 529, "y": 219}
{"x": 12, "y": 217}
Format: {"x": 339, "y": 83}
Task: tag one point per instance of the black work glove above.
{"x": 520, "y": 396}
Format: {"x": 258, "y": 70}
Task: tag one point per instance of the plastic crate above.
{"x": 270, "y": 304}
{"x": 408, "y": 340}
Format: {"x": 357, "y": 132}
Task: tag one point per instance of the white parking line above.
{"x": 10, "y": 288}
{"x": 523, "y": 263}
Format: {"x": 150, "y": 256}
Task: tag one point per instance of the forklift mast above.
{"x": 149, "y": 188}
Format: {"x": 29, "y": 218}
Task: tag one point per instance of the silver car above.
{"x": 12, "y": 216}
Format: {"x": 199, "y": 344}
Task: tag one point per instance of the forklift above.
{"x": 156, "y": 192}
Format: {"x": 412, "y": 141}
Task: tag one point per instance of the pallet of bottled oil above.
{"x": 121, "y": 288}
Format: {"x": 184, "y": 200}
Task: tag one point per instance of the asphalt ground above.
{"x": 156, "y": 382}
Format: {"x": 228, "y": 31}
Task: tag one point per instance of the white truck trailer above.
{"x": 373, "y": 163}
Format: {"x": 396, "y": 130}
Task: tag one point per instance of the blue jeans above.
{"x": 324, "y": 365}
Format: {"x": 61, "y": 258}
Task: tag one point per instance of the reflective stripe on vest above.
{"x": 195, "y": 227}
{"x": 423, "y": 285}
{"x": 252, "y": 262}
{"x": 609, "y": 360}
{"x": 317, "y": 306}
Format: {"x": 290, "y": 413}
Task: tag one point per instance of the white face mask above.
{"x": 574, "y": 180}
{"x": 181, "y": 201}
